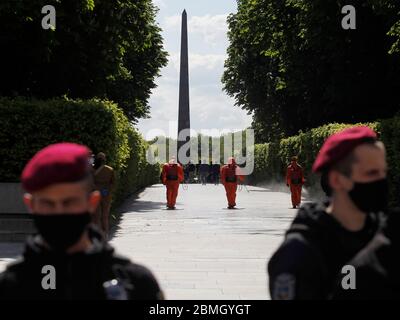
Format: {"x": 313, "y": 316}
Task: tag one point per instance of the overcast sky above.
{"x": 210, "y": 107}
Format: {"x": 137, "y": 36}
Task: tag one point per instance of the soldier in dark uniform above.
{"x": 216, "y": 170}
{"x": 211, "y": 172}
{"x": 324, "y": 236}
{"x": 69, "y": 258}
{"x": 376, "y": 266}
{"x": 203, "y": 172}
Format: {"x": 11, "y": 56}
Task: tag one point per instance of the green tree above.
{"x": 99, "y": 48}
{"x": 294, "y": 67}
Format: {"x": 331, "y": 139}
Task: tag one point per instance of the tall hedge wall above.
{"x": 271, "y": 159}
{"x": 29, "y": 125}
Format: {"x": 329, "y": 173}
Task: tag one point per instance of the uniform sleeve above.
{"x": 10, "y": 287}
{"x": 295, "y": 273}
{"x": 3, "y": 285}
{"x": 145, "y": 286}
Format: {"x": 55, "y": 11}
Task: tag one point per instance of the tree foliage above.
{"x": 99, "y": 48}
{"x": 292, "y": 65}
{"x": 29, "y": 125}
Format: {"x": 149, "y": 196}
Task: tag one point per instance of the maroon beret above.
{"x": 56, "y": 163}
{"x": 340, "y": 144}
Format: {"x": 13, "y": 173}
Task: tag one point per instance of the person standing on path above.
{"x": 104, "y": 182}
{"x": 203, "y": 172}
{"x": 172, "y": 175}
{"x": 295, "y": 181}
{"x": 230, "y": 176}
{"x": 216, "y": 168}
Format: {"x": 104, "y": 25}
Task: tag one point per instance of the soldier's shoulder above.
{"x": 136, "y": 269}
{"x": 311, "y": 220}
{"x": 143, "y": 279}
{"x": 109, "y": 168}
{"x": 313, "y": 206}
{"x": 9, "y": 277}
{"x": 299, "y": 241}
{"x": 140, "y": 271}
{"x": 291, "y": 265}
{"x": 294, "y": 256}
{"x": 16, "y": 265}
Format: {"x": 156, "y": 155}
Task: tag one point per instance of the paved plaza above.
{"x": 201, "y": 250}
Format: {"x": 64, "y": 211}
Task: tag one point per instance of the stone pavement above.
{"x": 201, "y": 250}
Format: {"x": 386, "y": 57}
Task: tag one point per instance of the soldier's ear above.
{"x": 338, "y": 181}
{"x": 27, "y": 198}
{"x": 334, "y": 180}
{"x": 94, "y": 200}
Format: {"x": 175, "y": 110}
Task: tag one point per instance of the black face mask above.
{"x": 61, "y": 231}
{"x": 371, "y": 196}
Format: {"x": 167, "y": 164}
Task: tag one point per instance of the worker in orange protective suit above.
{"x": 295, "y": 181}
{"x": 230, "y": 176}
{"x": 172, "y": 175}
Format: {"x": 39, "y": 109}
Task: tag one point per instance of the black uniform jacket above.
{"x": 377, "y": 266}
{"x": 77, "y": 276}
{"x": 315, "y": 249}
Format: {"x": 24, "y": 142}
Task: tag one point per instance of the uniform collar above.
{"x": 34, "y": 247}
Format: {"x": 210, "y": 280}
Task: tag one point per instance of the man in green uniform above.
{"x": 104, "y": 182}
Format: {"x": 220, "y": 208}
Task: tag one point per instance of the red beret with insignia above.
{"x": 56, "y": 163}
{"x": 341, "y": 144}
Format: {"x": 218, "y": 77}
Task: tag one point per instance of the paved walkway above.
{"x": 201, "y": 250}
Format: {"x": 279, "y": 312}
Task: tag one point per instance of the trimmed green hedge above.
{"x": 271, "y": 159}
{"x": 27, "y": 125}
{"x": 389, "y": 133}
